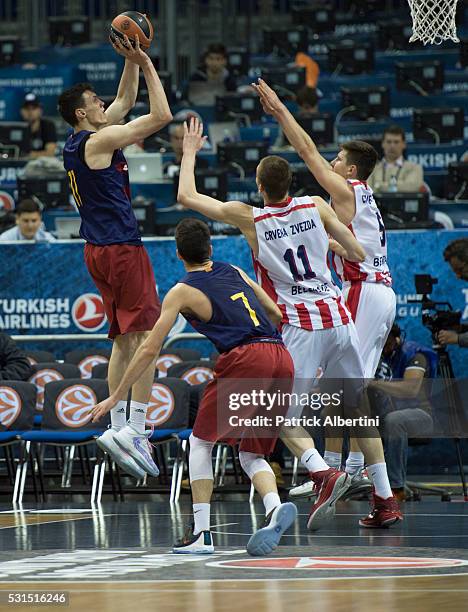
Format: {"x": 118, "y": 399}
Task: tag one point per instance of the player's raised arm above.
{"x": 147, "y": 352}
{"x": 337, "y": 230}
{"x": 128, "y": 86}
{"x": 233, "y": 213}
{"x": 118, "y": 136}
{"x": 271, "y": 309}
{"x": 305, "y": 147}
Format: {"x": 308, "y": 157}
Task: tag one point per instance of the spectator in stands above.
{"x": 307, "y": 101}
{"x": 394, "y": 172}
{"x": 43, "y": 132}
{"x": 14, "y": 364}
{"x": 176, "y": 137}
{"x": 456, "y": 254}
{"x": 29, "y": 224}
{"x": 401, "y": 399}
{"x": 211, "y": 79}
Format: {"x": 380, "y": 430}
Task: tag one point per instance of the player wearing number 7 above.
{"x": 225, "y": 305}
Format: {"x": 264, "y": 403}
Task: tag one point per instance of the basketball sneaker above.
{"x": 125, "y": 462}
{"x": 359, "y": 484}
{"x": 194, "y": 543}
{"x": 332, "y": 485}
{"x": 265, "y": 540}
{"x": 306, "y": 490}
{"x": 386, "y": 512}
{"x": 138, "y": 447}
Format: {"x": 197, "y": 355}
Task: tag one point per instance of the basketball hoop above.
{"x": 433, "y": 21}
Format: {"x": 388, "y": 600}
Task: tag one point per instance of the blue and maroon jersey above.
{"x": 102, "y": 196}
{"x": 238, "y": 317}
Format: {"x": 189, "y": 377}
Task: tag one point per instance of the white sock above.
{"x": 119, "y": 415}
{"x": 332, "y": 459}
{"x": 379, "y": 476}
{"x": 138, "y": 416}
{"x": 312, "y": 461}
{"x": 201, "y": 516}
{"x": 270, "y": 501}
{"x": 354, "y": 462}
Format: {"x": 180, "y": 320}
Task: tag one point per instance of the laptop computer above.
{"x": 221, "y": 130}
{"x": 67, "y": 227}
{"x": 145, "y": 167}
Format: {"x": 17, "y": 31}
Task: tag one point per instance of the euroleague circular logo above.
{"x": 164, "y": 362}
{"x": 88, "y": 312}
{"x": 6, "y": 201}
{"x": 10, "y": 406}
{"x": 161, "y": 405}
{"x": 40, "y": 379}
{"x": 198, "y": 375}
{"x": 73, "y": 406}
{"x": 87, "y": 364}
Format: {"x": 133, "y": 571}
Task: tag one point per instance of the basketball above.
{"x": 132, "y": 23}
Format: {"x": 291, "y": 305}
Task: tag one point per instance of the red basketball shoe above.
{"x": 331, "y": 484}
{"x": 386, "y": 512}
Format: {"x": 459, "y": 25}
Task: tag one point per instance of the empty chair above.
{"x": 47, "y": 372}
{"x": 193, "y": 372}
{"x": 87, "y": 359}
{"x": 100, "y": 371}
{"x": 39, "y": 357}
{"x": 170, "y": 356}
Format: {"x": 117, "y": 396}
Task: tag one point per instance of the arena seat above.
{"x": 87, "y": 359}
{"x": 40, "y": 357}
{"x": 193, "y": 372}
{"x": 170, "y": 356}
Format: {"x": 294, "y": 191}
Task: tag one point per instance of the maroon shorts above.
{"x": 124, "y": 277}
{"x": 261, "y": 360}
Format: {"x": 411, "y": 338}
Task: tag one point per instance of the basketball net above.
{"x": 433, "y": 21}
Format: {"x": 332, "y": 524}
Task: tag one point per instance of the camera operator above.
{"x": 400, "y": 398}
{"x": 456, "y": 254}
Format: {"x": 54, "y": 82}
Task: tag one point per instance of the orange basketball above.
{"x": 131, "y": 23}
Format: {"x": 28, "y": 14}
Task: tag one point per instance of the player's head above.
{"x": 28, "y": 217}
{"x": 456, "y": 254}
{"x": 273, "y": 178}
{"x": 80, "y": 104}
{"x": 355, "y": 160}
{"x": 193, "y": 241}
{"x": 215, "y": 58}
{"x": 393, "y": 142}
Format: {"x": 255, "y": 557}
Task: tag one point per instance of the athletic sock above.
{"x": 379, "y": 476}
{"x": 270, "y": 501}
{"x": 138, "y": 416}
{"x": 119, "y": 415}
{"x": 312, "y": 460}
{"x": 333, "y": 459}
{"x": 201, "y": 517}
{"x": 354, "y": 462}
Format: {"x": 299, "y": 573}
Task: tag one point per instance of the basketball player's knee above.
{"x": 252, "y": 463}
{"x": 200, "y": 463}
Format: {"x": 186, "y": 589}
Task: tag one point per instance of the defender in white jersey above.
{"x": 289, "y": 241}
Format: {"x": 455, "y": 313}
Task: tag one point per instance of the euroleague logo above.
{"x": 6, "y": 201}
{"x": 164, "y": 362}
{"x": 161, "y": 405}
{"x": 10, "y": 406}
{"x": 40, "y": 379}
{"x": 88, "y": 312}
{"x": 73, "y": 406}
{"x": 87, "y": 364}
{"x": 198, "y": 375}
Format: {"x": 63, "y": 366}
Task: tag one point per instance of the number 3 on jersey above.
{"x": 251, "y": 311}
{"x": 291, "y": 260}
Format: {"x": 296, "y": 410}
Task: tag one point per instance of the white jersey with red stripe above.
{"x": 368, "y": 228}
{"x": 292, "y": 265}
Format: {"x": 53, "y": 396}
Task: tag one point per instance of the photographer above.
{"x": 456, "y": 254}
{"x": 400, "y": 398}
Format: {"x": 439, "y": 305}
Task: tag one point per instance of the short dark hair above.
{"x": 274, "y": 174}
{"x": 362, "y": 155}
{"x": 70, "y": 100}
{"x": 457, "y": 248}
{"x": 396, "y": 130}
{"x": 217, "y": 48}
{"x": 395, "y": 332}
{"x": 27, "y": 205}
{"x": 193, "y": 240}
{"x": 307, "y": 95}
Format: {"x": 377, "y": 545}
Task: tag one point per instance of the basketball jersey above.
{"x": 368, "y": 228}
{"x": 238, "y": 317}
{"x": 102, "y": 197}
{"x": 292, "y": 265}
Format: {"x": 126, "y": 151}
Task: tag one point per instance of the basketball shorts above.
{"x": 270, "y": 362}
{"x": 329, "y": 353}
{"x": 373, "y": 307}
{"x": 124, "y": 277}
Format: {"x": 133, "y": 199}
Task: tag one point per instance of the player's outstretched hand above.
{"x": 269, "y": 99}
{"x": 103, "y": 408}
{"x": 193, "y": 136}
{"x": 128, "y": 51}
